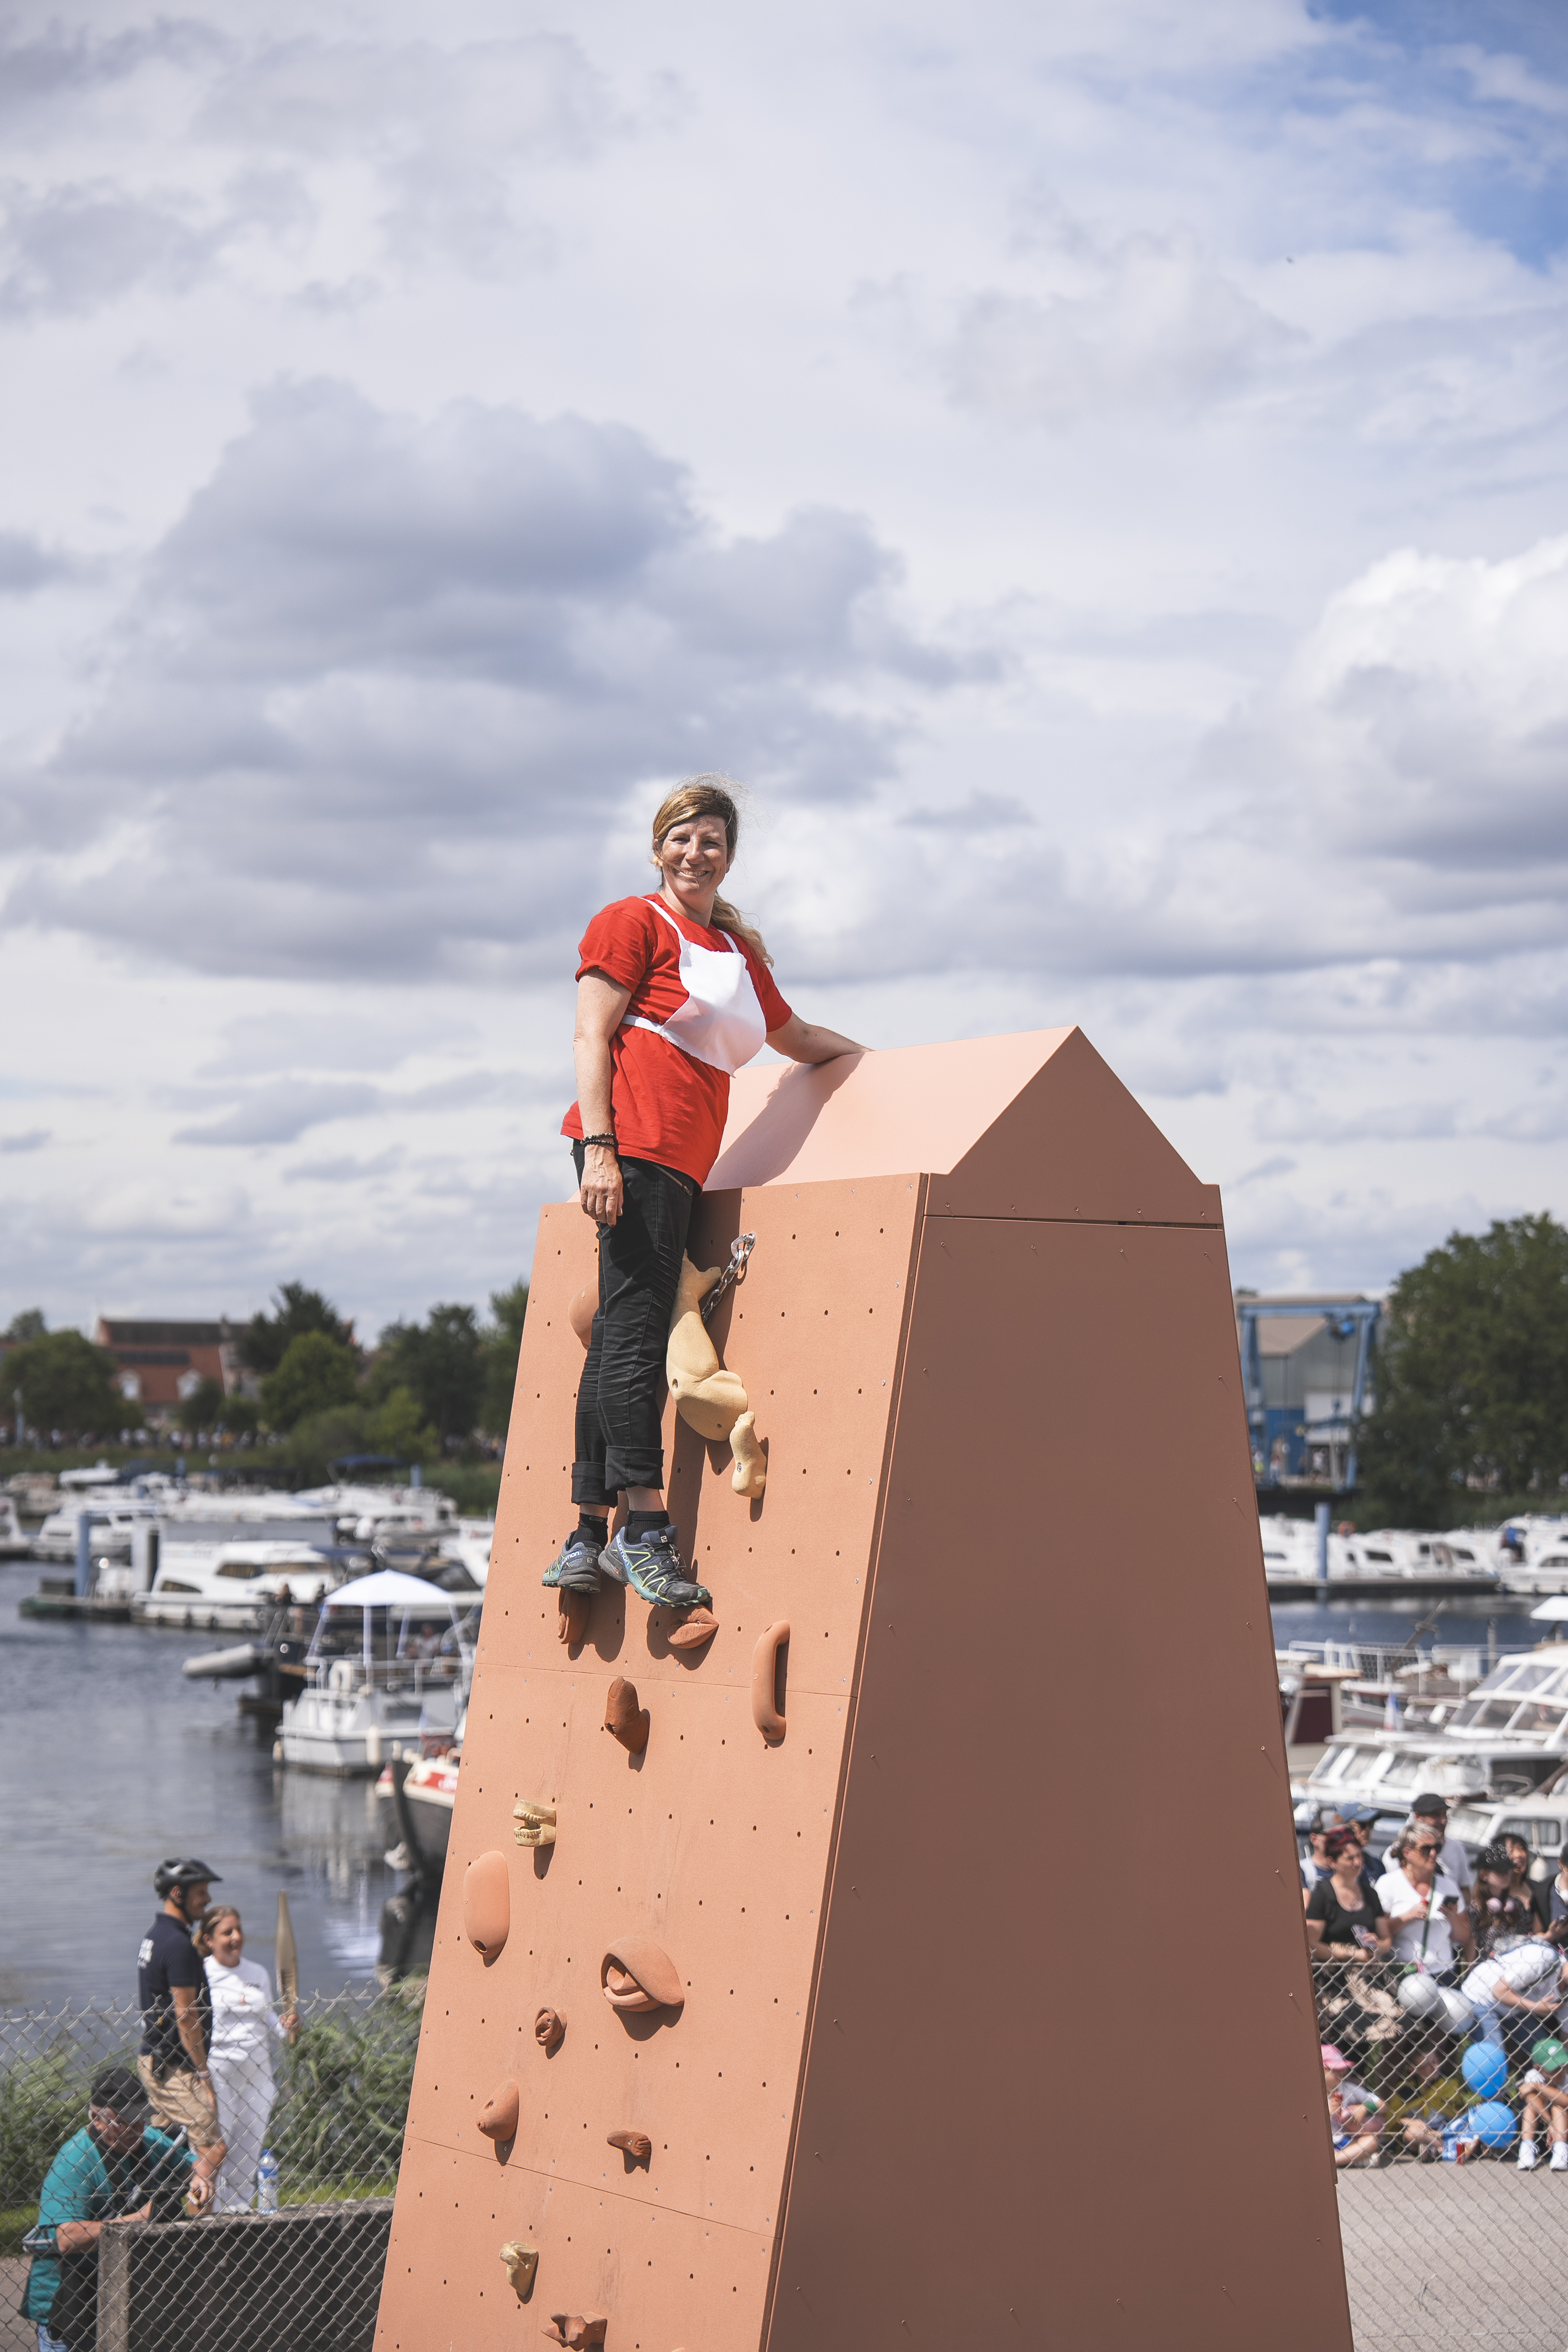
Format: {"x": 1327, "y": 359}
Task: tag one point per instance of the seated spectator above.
{"x": 120, "y": 2167}
{"x": 1431, "y": 1812}
{"x": 1345, "y": 1919}
{"x": 1499, "y": 1914}
{"x": 1354, "y": 2118}
{"x": 242, "y": 2020}
{"x": 1557, "y": 1891}
{"x": 1531, "y": 1890}
{"x": 1545, "y": 2088}
{"x": 1513, "y": 1990}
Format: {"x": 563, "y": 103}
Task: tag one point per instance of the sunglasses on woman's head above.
{"x": 1426, "y": 1849}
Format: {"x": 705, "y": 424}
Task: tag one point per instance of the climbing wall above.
{"x": 942, "y": 2024}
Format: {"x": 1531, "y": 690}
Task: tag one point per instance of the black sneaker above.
{"x": 575, "y": 1568}
{"x": 652, "y": 1567}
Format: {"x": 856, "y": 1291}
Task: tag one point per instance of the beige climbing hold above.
{"x": 521, "y": 2263}
{"x": 488, "y": 1905}
{"x": 765, "y": 1680}
{"x": 536, "y": 1824}
{"x": 623, "y": 1717}
{"x": 637, "y": 1975}
{"x": 498, "y": 2116}
{"x": 709, "y": 1398}
{"x": 577, "y": 2329}
{"x": 634, "y": 2144}
{"x": 698, "y": 1626}
{"x": 549, "y": 2031}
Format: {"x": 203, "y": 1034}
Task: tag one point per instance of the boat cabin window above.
{"x": 241, "y": 1571}
{"x": 1334, "y": 1765}
{"x": 1542, "y": 1831}
{"x": 1385, "y": 1557}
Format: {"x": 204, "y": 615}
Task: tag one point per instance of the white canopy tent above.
{"x": 404, "y": 1596}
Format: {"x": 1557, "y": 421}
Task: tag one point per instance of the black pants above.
{"x": 620, "y": 1404}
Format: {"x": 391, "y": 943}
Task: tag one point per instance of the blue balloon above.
{"x": 1491, "y": 2123}
{"x": 1484, "y": 2068}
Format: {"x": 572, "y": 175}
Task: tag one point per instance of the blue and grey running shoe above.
{"x": 575, "y": 1568}
{"x": 652, "y": 1567}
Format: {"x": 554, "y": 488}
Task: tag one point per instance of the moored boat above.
{"x": 389, "y": 1661}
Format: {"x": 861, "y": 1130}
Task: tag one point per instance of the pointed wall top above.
{"x": 1033, "y": 1124}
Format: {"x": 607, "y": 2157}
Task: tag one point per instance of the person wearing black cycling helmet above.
{"x": 172, "y": 1992}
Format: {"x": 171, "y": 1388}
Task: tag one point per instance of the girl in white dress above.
{"x": 243, "y": 2026}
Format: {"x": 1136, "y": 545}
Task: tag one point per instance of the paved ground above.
{"x": 1446, "y": 2258}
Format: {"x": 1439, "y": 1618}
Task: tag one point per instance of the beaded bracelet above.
{"x": 608, "y": 1140}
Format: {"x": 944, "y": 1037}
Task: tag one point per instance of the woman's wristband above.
{"x": 608, "y": 1141}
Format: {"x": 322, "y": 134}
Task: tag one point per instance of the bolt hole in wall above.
{"x": 172, "y": 1767}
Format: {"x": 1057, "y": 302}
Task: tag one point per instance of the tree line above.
{"x": 426, "y": 1388}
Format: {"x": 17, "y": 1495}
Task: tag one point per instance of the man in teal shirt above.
{"x": 118, "y": 2169}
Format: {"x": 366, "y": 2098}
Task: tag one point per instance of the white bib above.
{"x": 721, "y": 1021}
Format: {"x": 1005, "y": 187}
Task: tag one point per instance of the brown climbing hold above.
{"x": 572, "y": 1625}
{"x": 623, "y": 1717}
{"x": 700, "y": 1626}
{"x": 577, "y": 2329}
{"x": 536, "y": 1824}
{"x": 636, "y": 2145}
{"x": 498, "y": 2116}
{"x": 583, "y": 1310}
{"x": 765, "y": 1680}
{"x": 488, "y": 1905}
{"x": 635, "y": 1975}
{"x": 549, "y": 2031}
{"x": 521, "y": 2263}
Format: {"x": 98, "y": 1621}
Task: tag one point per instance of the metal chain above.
{"x": 740, "y": 1249}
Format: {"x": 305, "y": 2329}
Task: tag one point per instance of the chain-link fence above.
{"x": 303, "y": 2273}
{"x": 1448, "y": 2241}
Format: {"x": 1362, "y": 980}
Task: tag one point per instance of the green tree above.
{"x": 28, "y": 1324}
{"x": 501, "y": 1344}
{"x": 398, "y": 1427}
{"x": 442, "y": 1363}
{"x": 67, "y": 1384}
{"x": 202, "y": 1409}
{"x": 296, "y": 1312}
{"x": 316, "y": 1373}
{"x": 1471, "y": 1377}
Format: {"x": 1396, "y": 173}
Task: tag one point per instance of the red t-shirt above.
{"x": 668, "y": 1106}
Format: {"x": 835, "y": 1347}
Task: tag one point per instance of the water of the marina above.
{"x": 113, "y": 1759}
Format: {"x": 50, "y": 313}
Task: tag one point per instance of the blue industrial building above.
{"x": 1307, "y": 1374}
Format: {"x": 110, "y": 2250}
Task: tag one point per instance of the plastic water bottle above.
{"x": 267, "y": 2183}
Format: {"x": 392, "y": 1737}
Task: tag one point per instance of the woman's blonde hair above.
{"x": 710, "y": 796}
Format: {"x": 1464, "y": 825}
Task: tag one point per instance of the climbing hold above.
{"x": 536, "y": 1824}
{"x": 624, "y": 1717}
{"x": 487, "y": 1904}
{"x": 549, "y": 2031}
{"x": 521, "y": 2263}
{"x": 577, "y": 2329}
{"x": 637, "y": 2145}
{"x": 498, "y": 2116}
{"x": 636, "y": 1974}
{"x": 749, "y": 1474}
{"x": 576, "y": 1609}
{"x": 699, "y": 1626}
{"x": 765, "y": 1680}
{"x": 583, "y": 1310}
{"x": 711, "y": 1400}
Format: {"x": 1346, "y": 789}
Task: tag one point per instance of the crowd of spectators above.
{"x": 1444, "y": 1977}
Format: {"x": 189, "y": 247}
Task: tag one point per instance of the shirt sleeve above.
{"x": 184, "y": 1965}
{"x": 619, "y": 942}
{"x": 1317, "y": 1900}
{"x": 775, "y": 1012}
{"x": 68, "y": 2187}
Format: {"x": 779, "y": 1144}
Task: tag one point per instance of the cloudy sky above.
{"x": 1096, "y": 469}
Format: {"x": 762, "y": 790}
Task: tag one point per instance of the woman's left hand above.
{"x": 290, "y": 2025}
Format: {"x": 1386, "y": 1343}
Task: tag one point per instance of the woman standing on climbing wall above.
{"x": 673, "y": 993}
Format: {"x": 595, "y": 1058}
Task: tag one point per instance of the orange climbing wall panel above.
{"x": 917, "y": 2078}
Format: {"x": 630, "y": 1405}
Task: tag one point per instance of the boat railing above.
{"x": 350, "y": 1674}
{"x": 1460, "y": 1662}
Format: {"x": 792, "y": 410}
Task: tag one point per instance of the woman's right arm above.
{"x": 600, "y": 1006}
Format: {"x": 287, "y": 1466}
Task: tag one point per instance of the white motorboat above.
{"x": 1530, "y": 1553}
{"x": 430, "y": 1788}
{"x": 390, "y": 1660}
{"x": 111, "y": 1526}
{"x": 16, "y": 1543}
{"x": 1389, "y": 1559}
{"x": 1506, "y": 1738}
{"x": 233, "y": 1587}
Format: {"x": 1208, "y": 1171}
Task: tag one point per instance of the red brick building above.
{"x": 158, "y": 1365}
